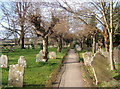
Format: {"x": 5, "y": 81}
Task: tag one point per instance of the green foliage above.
{"x": 36, "y": 74}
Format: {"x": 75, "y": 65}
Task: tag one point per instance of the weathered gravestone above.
{"x": 41, "y": 56}
{"x": 116, "y": 55}
{"x": 78, "y": 48}
{"x": 3, "y": 61}
{"x": 22, "y": 61}
{"x": 88, "y": 58}
{"x": 100, "y": 65}
{"x": 38, "y": 58}
{"x": 52, "y": 55}
{"x": 106, "y": 54}
{"x": 16, "y": 74}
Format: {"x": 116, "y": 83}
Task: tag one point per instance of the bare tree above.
{"x": 15, "y": 15}
{"x": 41, "y": 27}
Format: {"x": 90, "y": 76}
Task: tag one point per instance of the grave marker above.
{"x": 52, "y": 55}
{"x": 78, "y": 48}
{"x": 3, "y": 61}
{"x": 116, "y": 55}
{"x": 15, "y": 77}
{"x": 100, "y": 65}
{"x": 22, "y": 61}
{"x": 88, "y": 58}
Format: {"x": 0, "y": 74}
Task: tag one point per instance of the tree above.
{"x": 15, "y": 15}
{"x": 42, "y": 27}
{"x": 59, "y": 32}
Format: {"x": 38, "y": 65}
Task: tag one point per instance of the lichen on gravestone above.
{"x": 52, "y": 55}
{"x": 22, "y": 61}
{"x": 100, "y": 65}
{"x": 16, "y": 74}
{"x": 3, "y": 61}
{"x": 88, "y": 58}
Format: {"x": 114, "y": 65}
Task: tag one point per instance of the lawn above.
{"x": 36, "y": 74}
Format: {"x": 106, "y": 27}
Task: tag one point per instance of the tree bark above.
{"x": 45, "y": 49}
{"x": 94, "y": 44}
{"x": 111, "y": 52}
{"x": 106, "y": 38}
{"x": 111, "y": 36}
{"x": 59, "y": 44}
{"x": 22, "y": 38}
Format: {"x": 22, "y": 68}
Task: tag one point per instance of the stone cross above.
{"x": 16, "y": 74}
{"x": 3, "y": 61}
{"x": 22, "y": 61}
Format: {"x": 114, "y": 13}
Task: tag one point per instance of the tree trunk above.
{"x": 45, "y": 49}
{"x": 82, "y": 44}
{"x": 111, "y": 36}
{"x": 106, "y": 38}
{"x": 22, "y": 37}
{"x": 111, "y": 51}
{"x": 94, "y": 44}
{"x": 59, "y": 44}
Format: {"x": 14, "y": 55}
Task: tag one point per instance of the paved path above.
{"x": 72, "y": 76}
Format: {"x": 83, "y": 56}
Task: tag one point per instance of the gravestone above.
{"x": 116, "y": 55}
{"x": 16, "y": 74}
{"x": 78, "y": 48}
{"x": 22, "y": 61}
{"x": 39, "y": 57}
{"x": 52, "y": 55}
{"x": 3, "y": 61}
{"x": 100, "y": 65}
{"x": 106, "y": 54}
{"x": 88, "y": 58}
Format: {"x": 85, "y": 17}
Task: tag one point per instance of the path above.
{"x": 71, "y": 75}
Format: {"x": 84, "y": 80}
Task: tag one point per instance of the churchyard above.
{"x": 35, "y": 74}
{"x": 62, "y": 43}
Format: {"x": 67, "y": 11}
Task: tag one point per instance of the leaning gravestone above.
{"x": 116, "y": 55}
{"x": 88, "y": 58}
{"x": 100, "y": 65}
{"x": 52, "y": 55}
{"x": 78, "y": 48}
{"x": 22, "y": 61}
{"x": 3, "y": 61}
{"x": 15, "y": 77}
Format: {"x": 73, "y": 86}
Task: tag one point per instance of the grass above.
{"x": 115, "y": 74}
{"x": 36, "y": 74}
